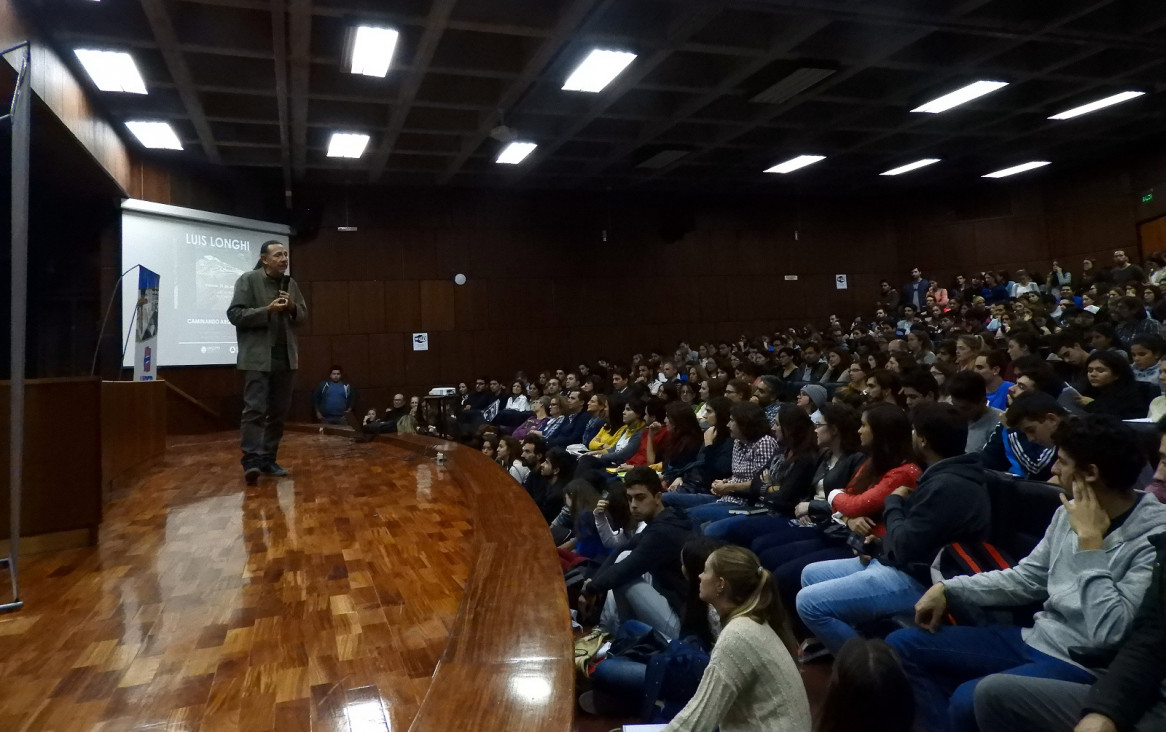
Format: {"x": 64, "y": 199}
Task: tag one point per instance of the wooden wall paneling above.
{"x": 418, "y": 253}
{"x": 402, "y": 306}
{"x": 316, "y": 356}
{"x": 133, "y": 426}
{"x": 424, "y": 367}
{"x": 472, "y": 305}
{"x": 1152, "y": 235}
{"x": 386, "y": 358}
{"x": 351, "y": 351}
{"x": 366, "y": 307}
{"x": 437, "y": 305}
{"x": 330, "y": 310}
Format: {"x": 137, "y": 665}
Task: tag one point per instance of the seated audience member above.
{"x": 709, "y": 388}
{"x": 475, "y": 405}
{"x": 1022, "y": 444}
{"x": 858, "y": 373}
{"x": 969, "y": 395}
{"x": 613, "y": 519}
{"x": 655, "y": 431}
{"x": 919, "y": 346}
{"x": 332, "y": 398}
{"x": 1070, "y": 347}
{"x": 918, "y": 386}
{"x": 868, "y": 691}
{"x": 516, "y": 408}
{"x": 1090, "y": 570}
{"x": 489, "y": 446}
{"x": 1112, "y": 389}
{"x": 781, "y": 486}
{"x": 620, "y": 383}
{"x": 950, "y": 504}
{"x": 1145, "y": 352}
{"x": 580, "y": 499}
{"x": 1129, "y": 696}
{"x": 613, "y": 427}
{"x": 713, "y": 462}
{"x": 787, "y": 365}
{"x": 901, "y": 362}
{"x": 882, "y": 386}
{"x": 538, "y": 421}
{"x": 575, "y": 421}
{"x": 654, "y": 551}
{"x": 811, "y": 398}
{"x": 619, "y": 682}
{"x": 812, "y": 368}
{"x": 628, "y": 442}
{"x": 990, "y": 365}
{"x": 1131, "y": 321}
{"x": 596, "y": 418}
{"x": 558, "y": 412}
{"x": 550, "y": 471}
{"x": 508, "y": 454}
{"x": 739, "y": 390}
{"x": 753, "y": 450}
{"x": 766, "y": 392}
{"x": 1158, "y": 405}
{"x": 837, "y": 367}
{"x": 385, "y": 423}
{"x": 967, "y": 347}
{"x": 752, "y": 683}
{"x": 683, "y": 444}
{"x": 1035, "y": 374}
{"x": 849, "y": 396}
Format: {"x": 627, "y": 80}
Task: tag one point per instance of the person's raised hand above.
{"x": 601, "y": 506}
{"x": 861, "y": 525}
{"x": 1095, "y": 722}
{"x": 931, "y": 607}
{"x": 1088, "y": 519}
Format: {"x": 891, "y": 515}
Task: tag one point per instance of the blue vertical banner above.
{"x": 146, "y": 348}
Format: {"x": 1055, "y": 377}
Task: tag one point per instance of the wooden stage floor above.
{"x": 319, "y": 601}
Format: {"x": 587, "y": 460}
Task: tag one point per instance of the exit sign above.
{"x": 1147, "y": 197}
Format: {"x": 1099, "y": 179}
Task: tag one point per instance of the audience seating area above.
{"x": 1007, "y": 364}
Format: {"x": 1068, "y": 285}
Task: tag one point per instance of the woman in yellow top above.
{"x": 612, "y": 430}
{"x": 630, "y": 416}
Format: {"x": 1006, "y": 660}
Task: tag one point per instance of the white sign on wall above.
{"x": 420, "y": 341}
{"x": 840, "y": 282}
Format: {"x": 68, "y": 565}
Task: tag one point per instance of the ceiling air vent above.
{"x": 792, "y": 84}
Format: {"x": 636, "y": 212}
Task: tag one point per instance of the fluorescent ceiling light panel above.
{"x": 515, "y": 152}
{"x": 792, "y": 85}
{"x": 960, "y": 96}
{"x": 113, "y": 71}
{"x": 911, "y": 166}
{"x": 800, "y": 161}
{"x": 372, "y": 50}
{"x": 1099, "y": 104}
{"x": 155, "y": 135}
{"x": 1017, "y": 169}
{"x": 347, "y": 144}
{"x": 597, "y": 70}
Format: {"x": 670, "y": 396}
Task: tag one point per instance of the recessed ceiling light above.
{"x": 515, "y": 152}
{"x": 347, "y": 144}
{"x": 1099, "y": 104}
{"x": 372, "y": 50}
{"x": 598, "y": 70}
{"x": 911, "y": 166}
{"x": 960, "y": 96}
{"x": 113, "y": 71}
{"x": 1017, "y": 169}
{"x": 793, "y": 164}
{"x": 155, "y": 135}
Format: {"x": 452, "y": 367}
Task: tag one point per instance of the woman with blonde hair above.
{"x": 751, "y": 682}
{"x": 967, "y": 348}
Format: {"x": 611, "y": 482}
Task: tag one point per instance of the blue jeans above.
{"x": 711, "y": 512}
{"x": 743, "y": 530}
{"x": 840, "y": 594}
{"x": 788, "y": 560}
{"x": 944, "y": 668}
{"x": 687, "y": 500}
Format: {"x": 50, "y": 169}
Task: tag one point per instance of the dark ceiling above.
{"x": 260, "y": 83}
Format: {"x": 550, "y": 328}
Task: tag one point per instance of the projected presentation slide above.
{"x": 198, "y": 255}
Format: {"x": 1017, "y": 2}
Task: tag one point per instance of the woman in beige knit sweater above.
{"x": 751, "y": 682}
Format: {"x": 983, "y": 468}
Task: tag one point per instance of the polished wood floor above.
{"x": 319, "y": 601}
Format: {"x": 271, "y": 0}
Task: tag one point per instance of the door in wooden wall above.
{"x": 1152, "y": 236}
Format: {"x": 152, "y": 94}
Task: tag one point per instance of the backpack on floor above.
{"x": 968, "y": 558}
{"x": 671, "y": 681}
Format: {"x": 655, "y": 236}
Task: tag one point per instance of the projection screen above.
{"x": 198, "y": 256}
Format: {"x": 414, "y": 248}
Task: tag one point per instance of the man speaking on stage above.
{"x": 266, "y": 309}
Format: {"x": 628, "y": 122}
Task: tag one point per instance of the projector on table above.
{"x": 442, "y": 391}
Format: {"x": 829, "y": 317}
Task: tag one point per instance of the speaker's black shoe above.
{"x": 251, "y": 475}
{"x": 274, "y": 469}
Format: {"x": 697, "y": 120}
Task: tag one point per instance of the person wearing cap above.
{"x": 811, "y": 398}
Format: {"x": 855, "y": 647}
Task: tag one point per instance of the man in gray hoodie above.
{"x": 1090, "y": 570}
